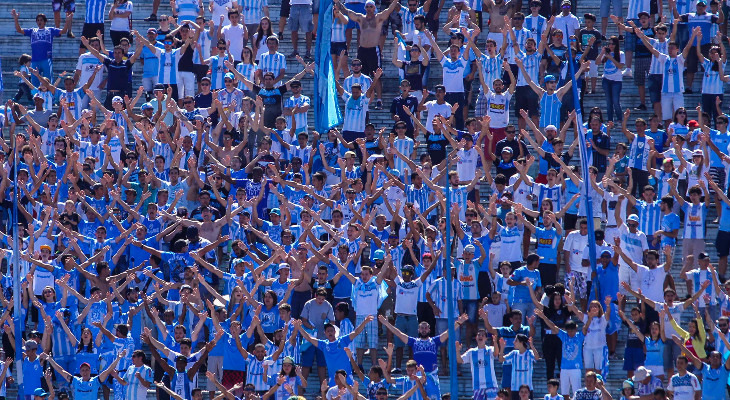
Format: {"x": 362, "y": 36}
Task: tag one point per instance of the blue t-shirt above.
{"x": 654, "y": 351}
{"x": 572, "y": 357}
{"x": 41, "y": 42}
{"x": 521, "y": 294}
{"x": 714, "y": 382}
{"x": 608, "y": 280}
{"x": 85, "y": 390}
{"x": 335, "y": 356}
{"x": 509, "y": 334}
{"x": 232, "y": 358}
{"x": 425, "y": 352}
{"x": 547, "y": 244}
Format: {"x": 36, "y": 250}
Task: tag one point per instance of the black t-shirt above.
{"x": 413, "y": 72}
{"x": 396, "y": 108}
{"x": 436, "y": 145}
{"x": 117, "y": 74}
{"x": 515, "y": 145}
{"x": 561, "y": 53}
{"x": 640, "y": 50}
{"x": 585, "y": 35}
{"x": 186, "y": 60}
{"x": 272, "y": 99}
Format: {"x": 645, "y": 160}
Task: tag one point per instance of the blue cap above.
{"x": 275, "y": 211}
{"x": 395, "y": 173}
{"x": 40, "y": 392}
{"x": 633, "y": 217}
{"x": 550, "y": 78}
{"x": 147, "y": 106}
{"x": 229, "y": 75}
{"x": 379, "y": 255}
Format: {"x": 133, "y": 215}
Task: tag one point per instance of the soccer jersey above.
{"x": 711, "y": 82}
{"x": 135, "y": 390}
{"x": 481, "y": 362}
{"x": 167, "y": 73}
{"x": 355, "y": 112}
{"x": 273, "y": 63}
{"x": 550, "y": 110}
{"x": 684, "y": 387}
{"x": 572, "y": 350}
{"x": 301, "y": 118}
{"x": 673, "y": 70}
{"x": 522, "y": 368}
{"x": 694, "y": 220}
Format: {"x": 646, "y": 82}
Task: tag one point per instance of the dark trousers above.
{"x": 548, "y": 274}
{"x": 425, "y": 314}
{"x": 552, "y": 348}
{"x": 453, "y": 98}
{"x": 641, "y": 179}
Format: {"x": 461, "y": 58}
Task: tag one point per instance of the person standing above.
{"x": 41, "y": 42}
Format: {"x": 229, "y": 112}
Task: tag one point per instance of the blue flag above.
{"x": 327, "y": 112}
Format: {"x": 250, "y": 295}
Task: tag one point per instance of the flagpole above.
{"x": 17, "y": 293}
{"x": 583, "y": 148}
{"x": 450, "y": 312}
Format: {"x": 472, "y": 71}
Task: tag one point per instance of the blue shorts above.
{"x": 630, "y": 37}
{"x": 634, "y": 357}
{"x": 407, "y": 324}
{"x": 358, "y": 8}
{"x": 470, "y": 308}
{"x": 309, "y": 355}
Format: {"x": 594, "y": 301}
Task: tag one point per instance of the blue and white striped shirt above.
{"x": 355, "y": 112}
{"x": 656, "y": 67}
{"x": 301, "y": 118}
{"x": 492, "y": 68}
{"x": 74, "y": 100}
{"x": 521, "y": 35}
{"x": 694, "y": 220}
{"x": 639, "y": 152}
{"x": 253, "y": 11}
{"x": 217, "y": 70}
{"x": 187, "y": 10}
{"x": 248, "y": 71}
{"x": 255, "y": 372}
{"x": 536, "y": 25}
{"x": 338, "y": 32}
{"x": 167, "y": 74}
{"x": 95, "y": 11}
{"x": 550, "y": 109}
{"x": 363, "y": 80}
{"x": 481, "y": 362}
{"x": 673, "y": 80}
{"x": 711, "y": 83}
{"x": 637, "y": 6}
{"x": 650, "y": 216}
{"x": 522, "y": 368}
{"x": 405, "y": 146}
{"x": 272, "y": 63}
{"x": 531, "y": 63}
{"x": 407, "y": 17}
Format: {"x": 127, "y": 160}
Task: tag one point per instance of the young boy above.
{"x": 552, "y": 387}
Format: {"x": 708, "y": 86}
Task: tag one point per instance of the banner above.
{"x": 327, "y": 112}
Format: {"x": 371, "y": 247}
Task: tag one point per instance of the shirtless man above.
{"x": 209, "y": 229}
{"x": 371, "y": 25}
{"x": 497, "y": 10}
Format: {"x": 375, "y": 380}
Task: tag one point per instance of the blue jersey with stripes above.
{"x": 248, "y": 71}
{"x": 95, "y": 11}
{"x": 272, "y": 63}
{"x": 74, "y": 100}
{"x": 550, "y": 109}
{"x": 522, "y": 368}
{"x": 711, "y": 83}
{"x": 673, "y": 70}
{"x": 481, "y": 362}
{"x": 167, "y": 71}
{"x": 650, "y": 216}
{"x": 695, "y": 216}
{"x": 217, "y": 70}
{"x": 187, "y": 10}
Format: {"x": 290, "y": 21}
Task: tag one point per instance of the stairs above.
{"x": 66, "y": 55}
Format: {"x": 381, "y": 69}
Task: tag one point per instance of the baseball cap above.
{"x": 551, "y": 128}
{"x": 703, "y": 2}
{"x": 86, "y": 364}
{"x": 275, "y": 211}
{"x": 550, "y": 78}
{"x": 117, "y": 99}
{"x": 703, "y": 256}
{"x": 31, "y": 345}
{"x": 408, "y": 268}
{"x": 40, "y": 393}
{"x": 697, "y": 153}
{"x": 507, "y": 149}
{"x": 379, "y": 255}
{"x": 693, "y": 123}
{"x": 228, "y": 75}
{"x": 159, "y": 86}
{"x": 469, "y": 248}
{"x": 633, "y": 217}
{"x": 151, "y": 30}
{"x": 607, "y": 251}
{"x": 283, "y": 266}
{"x": 369, "y": 3}
{"x": 628, "y": 384}
{"x": 147, "y": 106}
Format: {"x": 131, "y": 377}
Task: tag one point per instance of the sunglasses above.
{"x": 205, "y": 84}
{"x": 187, "y": 102}
{"x": 512, "y": 131}
{"x": 357, "y": 65}
{"x": 221, "y": 48}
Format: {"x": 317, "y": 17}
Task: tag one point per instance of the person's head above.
{"x": 595, "y": 308}
{"x": 522, "y": 342}
{"x": 565, "y": 7}
{"x": 659, "y": 394}
{"x": 370, "y": 8}
{"x": 701, "y": 6}
{"x": 627, "y": 388}
{"x": 41, "y": 20}
{"x": 516, "y": 318}
{"x": 552, "y": 386}
{"x": 440, "y": 92}
{"x": 590, "y": 380}
{"x": 330, "y": 332}
{"x": 138, "y": 358}
{"x": 525, "y": 392}
{"x": 695, "y": 194}
{"x": 642, "y": 374}
{"x": 682, "y": 363}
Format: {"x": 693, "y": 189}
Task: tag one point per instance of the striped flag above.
{"x": 327, "y": 112}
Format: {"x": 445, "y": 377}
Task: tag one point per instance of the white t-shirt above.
{"x": 596, "y": 337}
{"x": 221, "y": 9}
{"x": 86, "y": 64}
{"x": 684, "y": 387}
{"x": 234, "y": 35}
{"x": 651, "y": 282}
{"x": 453, "y": 74}
{"x": 466, "y": 164}
{"x": 433, "y": 108}
{"x": 119, "y": 23}
{"x": 406, "y": 295}
{"x": 575, "y": 243}
{"x": 633, "y": 244}
{"x": 568, "y": 24}
{"x": 498, "y": 108}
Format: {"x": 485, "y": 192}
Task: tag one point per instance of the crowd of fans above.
{"x": 198, "y": 221}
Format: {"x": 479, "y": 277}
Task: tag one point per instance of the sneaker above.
{"x": 688, "y": 91}
{"x": 396, "y": 371}
{"x": 379, "y": 104}
{"x": 628, "y": 72}
{"x": 308, "y": 55}
{"x": 294, "y": 54}
{"x": 641, "y": 107}
{"x": 70, "y": 35}
{"x": 151, "y": 18}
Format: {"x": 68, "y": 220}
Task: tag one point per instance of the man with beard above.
{"x": 425, "y": 349}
